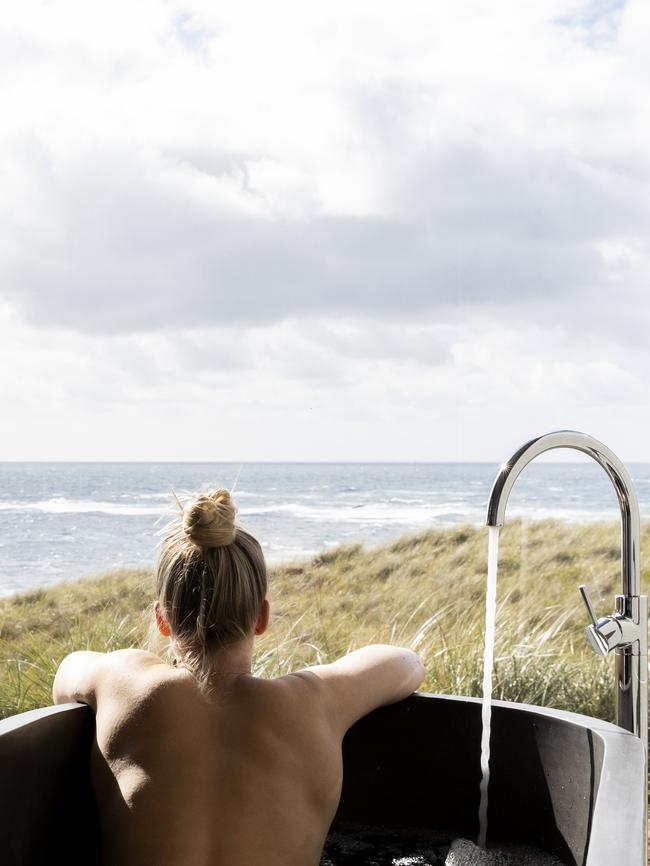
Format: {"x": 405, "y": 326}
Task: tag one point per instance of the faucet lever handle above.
{"x": 603, "y": 634}
{"x": 585, "y": 597}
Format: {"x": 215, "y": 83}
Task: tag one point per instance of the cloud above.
{"x": 294, "y": 231}
{"x": 121, "y": 245}
{"x": 220, "y": 168}
{"x": 313, "y": 389}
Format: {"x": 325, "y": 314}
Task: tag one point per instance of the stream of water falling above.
{"x": 371, "y": 849}
{"x": 488, "y": 660}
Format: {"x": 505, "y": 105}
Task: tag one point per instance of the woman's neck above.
{"x": 233, "y": 660}
{"x": 229, "y": 662}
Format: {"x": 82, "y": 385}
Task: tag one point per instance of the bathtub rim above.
{"x": 27, "y": 717}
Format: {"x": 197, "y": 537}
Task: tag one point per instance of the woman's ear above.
{"x": 263, "y": 619}
{"x": 161, "y": 621}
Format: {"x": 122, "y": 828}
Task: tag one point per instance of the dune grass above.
{"x": 426, "y": 591}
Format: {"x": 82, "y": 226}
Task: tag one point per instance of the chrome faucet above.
{"x": 626, "y": 630}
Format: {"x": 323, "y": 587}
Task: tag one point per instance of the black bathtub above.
{"x": 564, "y": 783}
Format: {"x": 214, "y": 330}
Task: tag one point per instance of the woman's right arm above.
{"x": 366, "y": 679}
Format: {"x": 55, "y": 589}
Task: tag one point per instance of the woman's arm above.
{"x": 78, "y": 677}
{"x": 368, "y": 678}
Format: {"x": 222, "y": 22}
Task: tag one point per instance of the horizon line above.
{"x": 294, "y": 462}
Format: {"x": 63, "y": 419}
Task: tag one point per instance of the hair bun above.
{"x": 210, "y": 520}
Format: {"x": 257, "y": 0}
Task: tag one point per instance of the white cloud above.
{"x": 322, "y": 230}
{"x": 309, "y": 389}
{"x": 254, "y": 162}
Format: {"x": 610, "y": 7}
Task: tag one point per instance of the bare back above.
{"x": 251, "y": 776}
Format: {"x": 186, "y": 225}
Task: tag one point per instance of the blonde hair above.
{"x": 210, "y": 580}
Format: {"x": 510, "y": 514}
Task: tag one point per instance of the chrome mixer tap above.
{"x": 625, "y": 632}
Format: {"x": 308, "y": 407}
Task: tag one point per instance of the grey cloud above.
{"x": 226, "y": 352}
{"x": 115, "y": 251}
{"x": 17, "y": 50}
{"x": 372, "y": 340}
{"x": 385, "y": 107}
{"x": 212, "y": 161}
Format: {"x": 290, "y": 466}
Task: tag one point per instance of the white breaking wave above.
{"x": 373, "y": 512}
{"x": 61, "y": 505}
{"x": 568, "y": 515}
{"x": 397, "y": 510}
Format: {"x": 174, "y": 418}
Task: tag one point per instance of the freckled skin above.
{"x": 250, "y": 775}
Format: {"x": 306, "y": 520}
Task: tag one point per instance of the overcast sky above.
{"x": 379, "y": 230}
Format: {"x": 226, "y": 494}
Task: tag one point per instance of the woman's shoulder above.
{"x": 297, "y": 694}
{"x": 139, "y": 686}
{"x": 132, "y": 656}
{"x": 133, "y": 668}
{"x": 88, "y": 676}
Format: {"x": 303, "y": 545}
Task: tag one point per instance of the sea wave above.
{"x": 61, "y": 505}
{"x": 370, "y": 512}
{"x": 392, "y": 511}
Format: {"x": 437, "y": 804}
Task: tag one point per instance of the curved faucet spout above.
{"x": 627, "y": 499}
{"x": 625, "y": 632}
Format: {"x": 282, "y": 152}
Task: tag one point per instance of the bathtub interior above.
{"x": 411, "y": 768}
{"x": 415, "y": 765}
{"x": 565, "y": 784}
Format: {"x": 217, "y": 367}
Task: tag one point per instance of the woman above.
{"x": 201, "y": 762}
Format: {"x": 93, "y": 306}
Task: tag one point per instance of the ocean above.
{"x": 65, "y": 520}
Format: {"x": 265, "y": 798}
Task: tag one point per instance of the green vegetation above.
{"x": 426, "y": 591}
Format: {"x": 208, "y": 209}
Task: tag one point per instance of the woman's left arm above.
{"x": 78, "y": 677}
